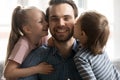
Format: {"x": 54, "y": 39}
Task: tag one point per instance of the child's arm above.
{"x": 12, "y": 70}
{"x": 84, "y": 68}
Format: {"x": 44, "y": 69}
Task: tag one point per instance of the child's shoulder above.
{"x": 22, "y": 42}
{"x": 86, "y": 53}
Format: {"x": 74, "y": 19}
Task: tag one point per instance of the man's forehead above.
{"x": 61, "y": 9}
{"x": 60, "y": 6}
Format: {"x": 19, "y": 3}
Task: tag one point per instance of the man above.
{"x": 61, "y": 18}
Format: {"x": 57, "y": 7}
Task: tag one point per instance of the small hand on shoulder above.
{"x": 44, "y": 68}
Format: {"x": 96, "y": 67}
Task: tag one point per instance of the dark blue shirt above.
{"x": 65, "y": 69}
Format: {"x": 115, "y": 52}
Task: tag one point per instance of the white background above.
{"x": 110, "y": 8}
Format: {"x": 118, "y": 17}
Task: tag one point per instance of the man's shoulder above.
{"x": 42, "y": 50}
{"x": 36, "y": 56}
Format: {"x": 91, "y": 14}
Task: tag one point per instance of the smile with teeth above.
{"x": 61, "y": 30}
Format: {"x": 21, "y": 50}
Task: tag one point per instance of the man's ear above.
{"x": 26, "y": 29}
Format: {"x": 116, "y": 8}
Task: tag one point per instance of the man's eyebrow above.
{"x": 67, "y": 16}
{"x": 53, "y": 16}
{"x": 62, "y": 16}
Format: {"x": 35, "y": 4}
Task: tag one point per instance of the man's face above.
{"x": 61, "y": 21}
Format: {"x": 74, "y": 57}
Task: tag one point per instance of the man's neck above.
{"x": 65, "y": 47}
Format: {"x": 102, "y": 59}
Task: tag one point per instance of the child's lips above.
{"x": 45, "y": 29}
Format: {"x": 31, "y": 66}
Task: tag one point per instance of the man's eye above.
{"x": 66, "y": 19}
{"x": 54, "y": 19}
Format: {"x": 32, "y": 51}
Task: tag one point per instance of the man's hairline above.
{"x": 59, "y": 4}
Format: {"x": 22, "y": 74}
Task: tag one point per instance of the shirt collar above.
{"x": 74, "y": 48}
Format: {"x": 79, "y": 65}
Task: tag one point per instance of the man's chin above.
{"x": 62, "y": 39}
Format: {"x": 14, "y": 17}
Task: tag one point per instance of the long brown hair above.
{"x": 96, "y": 27}
{"x": 19, "y": 18}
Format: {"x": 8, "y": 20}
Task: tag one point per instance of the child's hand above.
{"x": 51, "y": 41}
{"x": 45, "y": 68}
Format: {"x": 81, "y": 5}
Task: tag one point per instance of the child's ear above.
{"x": 26, "y": 29}
{"x": 83, "y": 33}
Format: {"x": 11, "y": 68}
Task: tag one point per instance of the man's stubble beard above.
{"x": 64, "y": 39}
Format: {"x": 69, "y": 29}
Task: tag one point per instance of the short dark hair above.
{"x": 96, "y": 27}
{"x": 70, "y": 2}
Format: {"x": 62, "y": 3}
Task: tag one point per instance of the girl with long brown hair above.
{"x": 29, "y": 28}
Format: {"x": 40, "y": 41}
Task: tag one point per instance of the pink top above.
{"x": 23, "y": 48}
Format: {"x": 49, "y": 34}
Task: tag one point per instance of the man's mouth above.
{"x": 61, "y": 30}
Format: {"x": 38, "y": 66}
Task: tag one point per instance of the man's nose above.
{"x": 61, "y": 22}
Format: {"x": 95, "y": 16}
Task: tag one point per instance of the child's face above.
{"x": 37, "y": 24}
{"x": 79, "y": 33}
